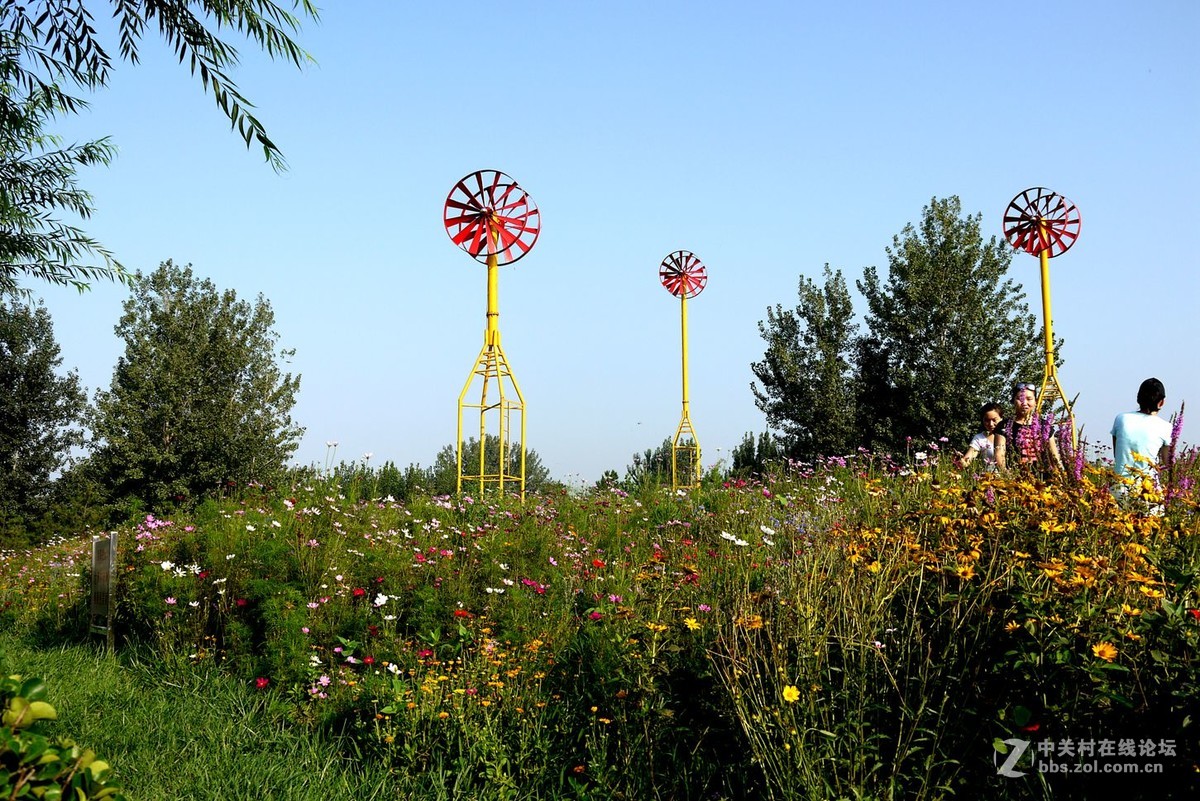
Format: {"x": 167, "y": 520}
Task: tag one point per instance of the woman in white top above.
{"x": 984, "y": 443}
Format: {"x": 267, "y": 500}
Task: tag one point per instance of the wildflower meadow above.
{"x": 857, "y": 628}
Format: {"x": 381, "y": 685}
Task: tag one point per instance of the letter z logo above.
{"x": 1018, "y": 749}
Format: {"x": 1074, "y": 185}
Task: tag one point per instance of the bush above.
{"x": 33, "y": 765}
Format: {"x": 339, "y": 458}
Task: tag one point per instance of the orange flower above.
{"x": 1105, "y": 650}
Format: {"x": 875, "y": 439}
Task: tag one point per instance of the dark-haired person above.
{"x": 984, "y": 443}
{"x": 1142, "y": 439}
{"x": 1018, "y": 441}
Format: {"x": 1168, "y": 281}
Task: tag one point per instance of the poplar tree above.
{"x": 198, "y": 400}
{"x": 947, "y": 330}
{"x": 40, "y": 409}
{"x": 805, "y": 381}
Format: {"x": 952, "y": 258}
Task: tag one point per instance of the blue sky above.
{"x": 767, "y": 138}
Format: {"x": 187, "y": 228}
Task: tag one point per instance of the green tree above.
{"x": 946, "y": 332}
{"x": 608, "y": 480}
{"x": 50, "y": 52}
{"x": 443, "y": 476}
{"x": 40, "y": 410}
{"x": 751, "y": 457}
{"x": 198, "y": 399}
{"x": 653, "y": 466}
{"x": 807, "y": 373}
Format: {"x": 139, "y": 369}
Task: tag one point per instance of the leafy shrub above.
{"x": 33, "y": 765}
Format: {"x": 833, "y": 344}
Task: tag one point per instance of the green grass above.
{"x": 191, "y": 735}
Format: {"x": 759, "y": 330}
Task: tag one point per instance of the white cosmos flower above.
{"x": 736, "y": 541}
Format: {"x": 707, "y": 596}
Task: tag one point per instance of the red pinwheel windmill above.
{"x": 1039, "y": 221}
{"x": 495, "y": 221}
{"x": 684, "y": 276}
{"x": 489, "y": 216}
{"x": 1045, "y": 224}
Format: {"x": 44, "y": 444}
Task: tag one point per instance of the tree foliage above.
{"x": 443, "y": 476}
{"x": 37, "y": 183}
{"x": 946, "y": 331}
{"x": 653, "y": 466}
{"x": 58, "y": 46}
{"x": 198, "y": 399}
{"x": 50, "y": 53}
{"x": 807, "y": 375}
{"x": 751, "y": 457}
{"x": 40, "y": 409}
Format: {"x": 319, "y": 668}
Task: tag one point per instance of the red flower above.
{"x": 373, "y": 631}
{"x": 1194, "y": 613}
{"x": 359, "y": 592}
{"x": 241, "y": 602}
{"x": 368, "y": 660}
{"x": 597, "y": 563}
{"x": 462, "y": 613}
{"x": 261, "y": 683}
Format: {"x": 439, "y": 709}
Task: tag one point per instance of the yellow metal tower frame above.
{"x": 500, "y": 397}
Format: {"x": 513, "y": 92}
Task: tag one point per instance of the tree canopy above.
{"x": 806, "y": 375}
{"x": 443, "y": 476}
{"x": 946, "y": 331}
{"x": 198, "y": 399}
{"x": 40, "y": 409}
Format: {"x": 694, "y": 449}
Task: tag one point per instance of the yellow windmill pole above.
{"x": 685, "y": 443}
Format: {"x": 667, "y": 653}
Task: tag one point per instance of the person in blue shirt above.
{"x": 1142, "y": 439}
